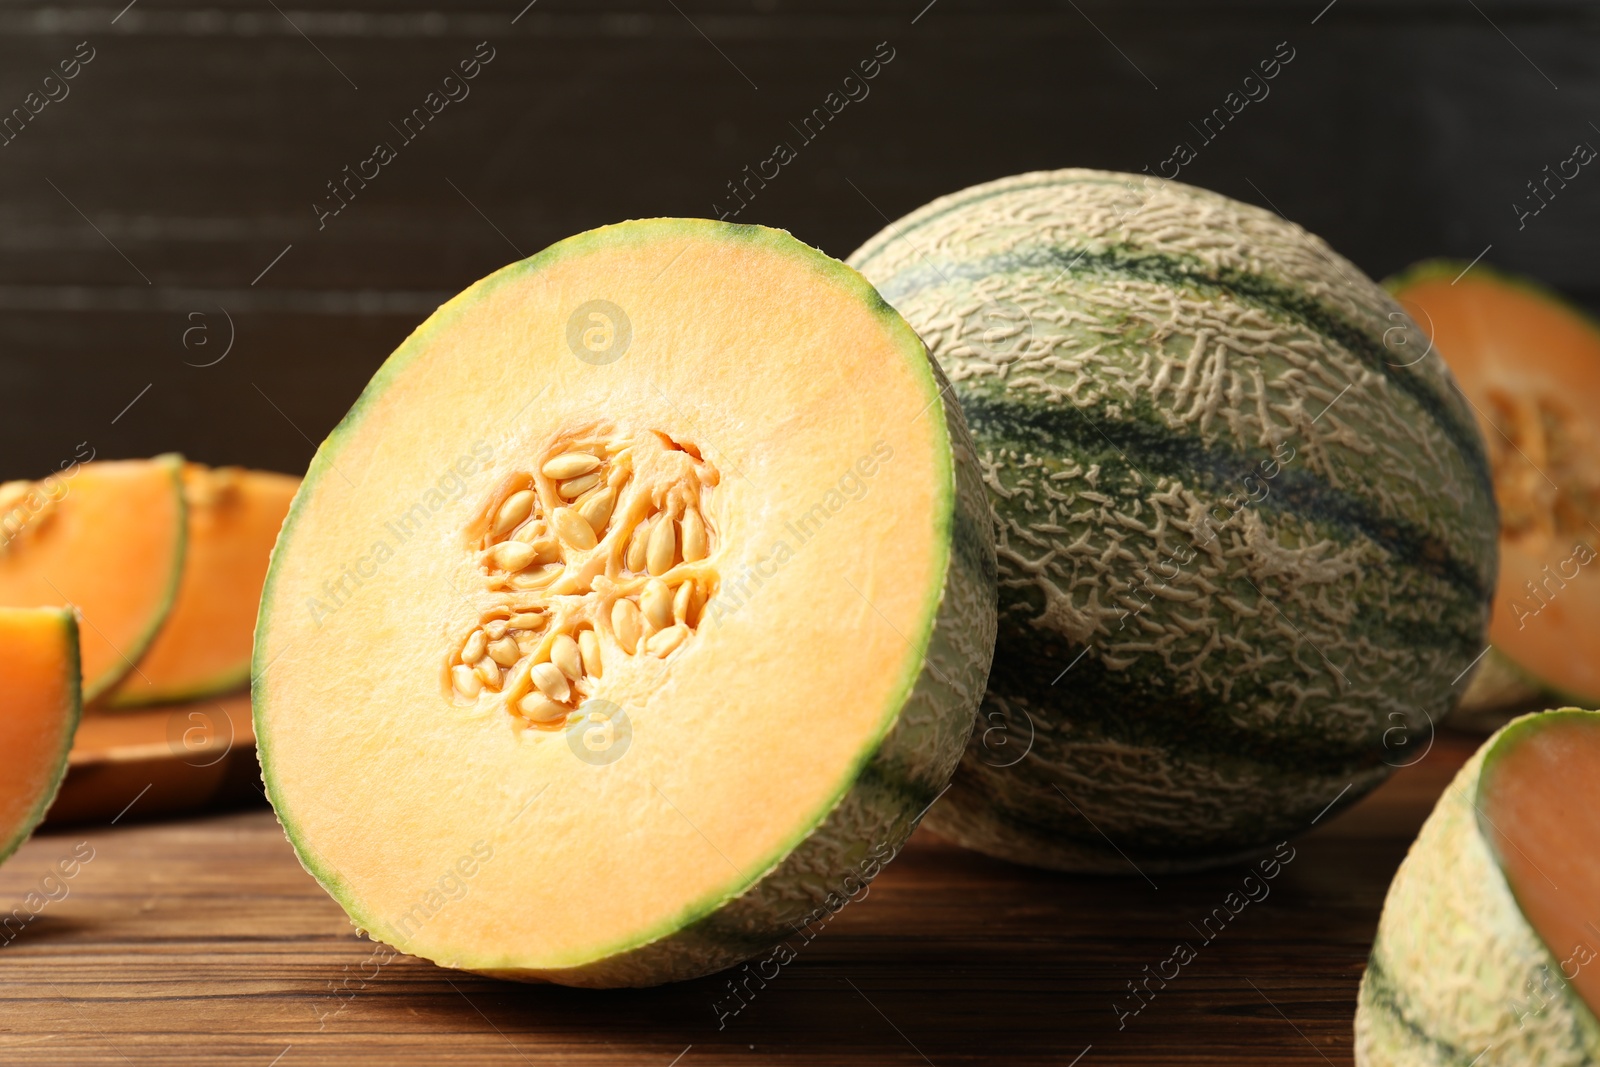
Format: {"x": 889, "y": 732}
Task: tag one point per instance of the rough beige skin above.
{"x": 1222, "y": 706}
{"x": 1457, "y": 976}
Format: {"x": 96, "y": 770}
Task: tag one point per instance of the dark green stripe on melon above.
{"x": 1246, "y": 288}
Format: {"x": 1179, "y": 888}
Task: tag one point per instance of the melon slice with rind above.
{"x": 203, "y": 647}
{"x": 38, "y": 714}
{"x": 1488, "y": 950}
{"x": 636, "y": 612}
{"x": 106, "y": 537}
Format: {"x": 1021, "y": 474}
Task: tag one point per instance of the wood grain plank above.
{"x": 204, "y": 942}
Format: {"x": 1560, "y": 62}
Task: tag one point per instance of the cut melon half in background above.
{"x": 636, "y": 611}
{"x": 203, "y": 648}
{"x": 106, "y": 537}
{"x": 1530, "y": 364}
{"x": 38, "y": 714}
{"x": 1490, "y": 936}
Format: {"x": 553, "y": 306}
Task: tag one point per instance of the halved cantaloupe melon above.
{"x": 204, "y": 646}
{"x": 38, "y": 714}
{"x": 106, "y": 537}
{"x": 1530, "y": 364}
{"x": 638, "y": 609}
{"x": 1489, "y": 946}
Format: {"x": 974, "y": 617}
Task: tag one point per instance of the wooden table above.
{"x": 202, "y": 941}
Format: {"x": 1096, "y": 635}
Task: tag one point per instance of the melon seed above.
{"x": 541, "y": 708}
{"x": 495, "y": 628}
{"x": 573, "y": 488}
{"x": 626, "y": 624}
{"x": 518, "y": 506}
{"x": 505, "y": 651}
{"x": 663, "y": 643}
{"x": 569, "y": 465}
{"x": 656, "y": 602}
{"x": 680, "y": 601}
{"x": 516, "y": 683}
{"x": 551, "y": 682}
{"x": 694, "y": 536}
{"x": 512, "y": 555}
{"x": 663, "y": 547}
{"x": 573, "y": 528}
{"x": 565, "y": 655}
{"x": 489, "y": 672}
{"x": 636, "y": 547}
{"x": 476, "y": 644}
{"x": 596, "y": 511}
{"x": 465, "y": 680}
{"x": 530, "y": 620}
{"x": 589, "y": 648}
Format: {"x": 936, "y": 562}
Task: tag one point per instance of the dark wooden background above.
{"x": 190, "y": 150}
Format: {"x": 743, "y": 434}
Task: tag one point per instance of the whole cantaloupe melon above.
{"x": 632, "y": 617}
{"x": 1246, "y": 548}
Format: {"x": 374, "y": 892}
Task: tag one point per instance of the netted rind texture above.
{"x": 1246, "y": 537}
{"x": 1456, "y": 971}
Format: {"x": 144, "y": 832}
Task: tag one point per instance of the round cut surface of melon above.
{"x": 637, "y": 610}
{"x": 1530, "y": 364}
{"x": 38, "y": 714}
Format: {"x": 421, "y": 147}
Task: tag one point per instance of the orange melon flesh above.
{"x": 108, "y": 538}
{"x": 1539, "y": 808}
{"x": 812, "y": 416}
{"x": 203, "y": 648}
{"x": 1530, "y": 365}
{"x": 38, "y": 714}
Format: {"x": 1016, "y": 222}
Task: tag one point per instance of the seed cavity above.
{"x": 599, "y": 557}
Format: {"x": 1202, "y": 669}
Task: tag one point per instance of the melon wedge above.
{"x": 204, "y": 646}
{"x": 637, "y": 610}
{"x": 1489, "y": 946}
{"x": 38, "y": 714}
{"x": 1530, "y": 364}
{"x": 107, "y": 538}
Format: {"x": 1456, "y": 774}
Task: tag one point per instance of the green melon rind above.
{"x": 881, "y": 799}
{"x": 1132, "y": 756}
{"x": 74, "y": 712}
{"x": 1500, "y": 685}
{"x": 219, "y": 684}
{"x": 129, "y": 656}
{"x": 1450, "y": 971}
